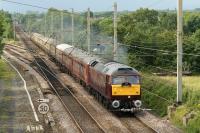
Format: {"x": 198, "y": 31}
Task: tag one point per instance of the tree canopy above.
{"x": 149, "y": 35}
{"x": 5, "y": 27}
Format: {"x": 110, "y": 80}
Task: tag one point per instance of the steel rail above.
{"x": 53, "y": 74}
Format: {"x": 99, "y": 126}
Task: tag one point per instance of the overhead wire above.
{"x": 40, "y": 7}
{"x": 164, "y": 51}
{"x": 144, "y": 53}
{"x": 68, "y": 12}
{"x": 20, "y": 3}
{"x": 157, "y": 67}
{"x": 141, "y": 47}
{"x": 157, "y": 95}
{"x": 36, "y": 6}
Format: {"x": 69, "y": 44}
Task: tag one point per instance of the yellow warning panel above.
{"x": 119, "y": 90}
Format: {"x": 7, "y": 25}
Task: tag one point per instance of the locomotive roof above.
{"x": 99, "y": 64}
{"x": 75, "y": 52}
{"x": 45, "y": 39}
{"x": 102, "y": 65}
{"x": 114, "y": 67}
{"x": 62, "y": 47}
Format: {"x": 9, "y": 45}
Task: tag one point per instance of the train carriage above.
{"x": 41, "y": 41}
{"x": 74, "y": 60}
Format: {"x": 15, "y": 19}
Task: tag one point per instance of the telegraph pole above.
{"x": 45, "y": 24}
{"x": 52, "y": 24}
{"x": 29, "y": 25}
{"x": 72, "y": 15}
{"x": 179, "y": 49}
{"x": 88, "y": 30}
{"x": 115, "y": 51}
{"x": 14, "y": 32}
{"x": 62, "y": 25}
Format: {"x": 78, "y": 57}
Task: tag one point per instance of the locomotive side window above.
{"x": 94, "y": 63}
{"x": 123, "y": 79}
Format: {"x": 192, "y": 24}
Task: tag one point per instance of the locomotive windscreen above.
{"x": 125, "y": 79}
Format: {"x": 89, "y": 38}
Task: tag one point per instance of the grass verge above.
{"x": 157, "y": 94}
{"x": 5, "y": 72}
{"x": 160, "y": 92}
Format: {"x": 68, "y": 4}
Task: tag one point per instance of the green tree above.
{"x": 106, "y": 26}
{"x": 192, "y": 45}
{"x": 192, "y": 23}
{"x": 168, "y": 20}
{"x": 1, "y": 33}
{"x": 5, "y": 27}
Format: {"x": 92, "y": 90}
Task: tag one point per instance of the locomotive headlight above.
{"x": 116, "y": 104}
{"x": 138, "y": 103}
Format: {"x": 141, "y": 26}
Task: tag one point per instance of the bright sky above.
{"x": 97, "y": 5}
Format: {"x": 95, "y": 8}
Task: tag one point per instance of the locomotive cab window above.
{"x": 125, "y": 79}
{"x": 94, "y": 63}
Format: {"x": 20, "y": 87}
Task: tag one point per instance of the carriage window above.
{"x": 94, "y": 63}
{"x": 123, "y": 79}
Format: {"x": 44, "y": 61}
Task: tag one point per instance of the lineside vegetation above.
{"x": 5, "y": 28}
{"x": 150, "y": 39}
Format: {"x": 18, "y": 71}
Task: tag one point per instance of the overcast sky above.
{"x": 97, "y": 5}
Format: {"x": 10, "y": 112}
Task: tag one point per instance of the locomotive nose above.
{"x": 116, "y": 104}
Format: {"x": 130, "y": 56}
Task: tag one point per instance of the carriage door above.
{"x": 81, "y": 73}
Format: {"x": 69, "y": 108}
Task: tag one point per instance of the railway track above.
{"x": 18, "y": 52}
{"x": 80, "y": 116}
{"x": 129, "y": 121}
{"x": 77, "y": 111}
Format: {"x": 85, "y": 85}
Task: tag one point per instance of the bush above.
{"x": 194, "y": 125}
{"x": 157, "y": 94}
